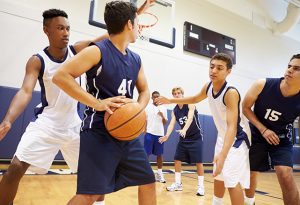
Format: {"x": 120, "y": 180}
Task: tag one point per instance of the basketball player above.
{"x": 231, "y": 160}
{"x": 276, "y": 106}
{"x": 156, "y": 119}
{"x": 190, "y": 146}
{"x": 106, "y": 164}
{"x": 57, "y": 124}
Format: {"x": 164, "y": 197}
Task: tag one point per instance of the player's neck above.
{"x": 120, "y": 42}
{"x": 217, "y": 86}
{"x": 288, "y": 89}
{"x": 57, "y": 53}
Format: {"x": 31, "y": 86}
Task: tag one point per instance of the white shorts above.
{"x": 236, "y": 167}
{"x": 39, "y": 145}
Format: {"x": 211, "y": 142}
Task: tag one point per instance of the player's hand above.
{"x": 4, "y": 128}
{"x": 145, "y": 6}
{"x": 271, "y": 137}
{"x": 162, "y": 100}
{"x": 162, "y": 139}
{"x": 219, "y": 160}
{"x": 108, "y": 103}
{"x": 182, "y": 132}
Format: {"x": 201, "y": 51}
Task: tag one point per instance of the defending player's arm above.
{"x": 23, "y": 96}
{"x": 73, "y": 68}
{"x": 142, "y": 88}
{"x": 169, "y": 129}
{"x": 189, "y": 121}
{"x": 231, "y": 101}
{"x": 186, "y": 100}
{"x": 248, "y": 102}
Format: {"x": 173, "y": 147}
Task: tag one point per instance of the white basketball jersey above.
{"x": 57, "y": 109}
{"x": 218, "y": 110}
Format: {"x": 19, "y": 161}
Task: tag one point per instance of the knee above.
{"x": 90, "y": 199}
{"x": 147, "y": 187}
{"x": 16, "y": 170}
{"x": 285, "y": 176}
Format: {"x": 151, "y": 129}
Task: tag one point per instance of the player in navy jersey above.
{"x": 231, "y": 159}
{"x": 106, "y": 164}
{"x": 276, "y": 105}
{"x": 190, "y": 146}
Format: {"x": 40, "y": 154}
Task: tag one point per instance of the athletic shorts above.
{"x": 107, "y": 165}
{"x": 152, "y": 145}
{"x": 39, "y": 145}
{"x": 190, "y": 151}
{"x": 236, "y": 167}
{"x": 264, "y": 156}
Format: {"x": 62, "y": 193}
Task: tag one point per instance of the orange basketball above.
{"x": 127, "y": 122}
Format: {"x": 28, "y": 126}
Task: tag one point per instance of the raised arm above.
{"x": 231, "y": 100}
{"x": 189, "y": 121}
{"x": 248, "y": 102}
{"x": 186, "y": 100}
{"x": 73, "y": 68}
{"x": 23, "y": 96}
{"x": 169, "y": 129}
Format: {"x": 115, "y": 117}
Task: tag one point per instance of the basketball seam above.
{"x": 125, "y": 121}
{"x": 133, "y": 133}
{"x": 105, "y": 121}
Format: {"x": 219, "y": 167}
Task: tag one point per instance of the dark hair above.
{"x": 52, "y": 13}
{"x": 223, "y": 57}
{"x": 117, "y": 14}
{"x": 297, "y": 56}
{"x": 155, "y": 92}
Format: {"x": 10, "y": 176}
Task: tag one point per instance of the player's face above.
{"x": 154, "y": 96}
{"x": 292, "y": 73}
{"x": 177, "y": 94}
{"x": 135, "y": 29}
{"x": 58, "y": 31}
{"x": 218, "y": 70}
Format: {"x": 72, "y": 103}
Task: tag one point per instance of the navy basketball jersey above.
{"x": 181, "y": 115}
{"x": 275, "y": 111}
{"x": 116, "y": 74}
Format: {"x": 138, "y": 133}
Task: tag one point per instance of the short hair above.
{"x": 155, "y": 92}
{"x": 117, "y": 14}
{"x": 52, "y": 13}
{"x": 296, "y": 56}
{"x": 223, "y": 57}
{"x": 178, "y": 88}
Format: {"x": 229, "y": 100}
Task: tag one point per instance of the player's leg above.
{"x": 250, "y": 193}
{"x": 82, "y": 199}
{"x": 200, "y": 173}
{"x": 147, "y": 194}
{"x": 10, "y": 181}
{"x": 288, "y": 185}
{"x": 236, "y": 195}
{"x": 219, "y": 191}
{"x": 158, "y": 150}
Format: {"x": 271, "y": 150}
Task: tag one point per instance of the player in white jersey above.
{"x": 231, "y": 160}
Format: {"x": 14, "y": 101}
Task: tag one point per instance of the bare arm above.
{"x": 248, "y": 102}
{"x": 169, "y": 129}
{"x": 186, "y": 100}
{"x": 23, "y": 96}
{"x": 142, "y": 88}
{"x": 189, "y": 121}
{"x": 232, "y": 106}
{"x": 73, "y": 68}
{"x": 145, "y": 6}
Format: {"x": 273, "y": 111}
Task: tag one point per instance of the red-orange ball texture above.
{"x": 127, "y": 122}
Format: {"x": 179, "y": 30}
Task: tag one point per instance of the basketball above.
{"x": 127, "y": 122}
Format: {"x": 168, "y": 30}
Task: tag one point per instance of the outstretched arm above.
{"x": 169, "y": 129}
{"x": 189, "y": 121}
{"x": 23, "y": 96}
{"x": 248, "y": 102}
{"x": 186, "y": 100}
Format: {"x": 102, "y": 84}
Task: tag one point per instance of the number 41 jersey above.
{"x": 275, "y": 111}
{"x": 116, "y": 74}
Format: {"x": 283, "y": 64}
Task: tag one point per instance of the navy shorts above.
{"x": 107, "y": 165}
{"x": 264, "y": 156}
{"x": 189, "y": 151}
{"x": 152, "y": 145}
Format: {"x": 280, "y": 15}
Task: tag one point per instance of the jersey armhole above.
{"x": 228, "y": 88}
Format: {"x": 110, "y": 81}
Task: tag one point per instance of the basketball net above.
{"x": 146, "y": 22}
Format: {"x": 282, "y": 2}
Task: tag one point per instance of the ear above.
{"x": 45, "y": 28}
{"x": 130, "y": 25}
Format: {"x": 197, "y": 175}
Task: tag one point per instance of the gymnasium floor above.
{"x": 57, "y": 189}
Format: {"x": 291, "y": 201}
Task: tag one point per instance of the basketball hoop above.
{"x": 146, "y": 21}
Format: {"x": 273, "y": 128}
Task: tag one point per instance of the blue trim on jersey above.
{"x": 53, "y": 59}
{"x": 208, "y": 86}
{"x": 39, "y": 110}
{"x": 72, "y": 49}
{"x": 220, "y": 91}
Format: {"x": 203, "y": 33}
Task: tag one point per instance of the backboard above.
{"x": 160, "y": 18}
